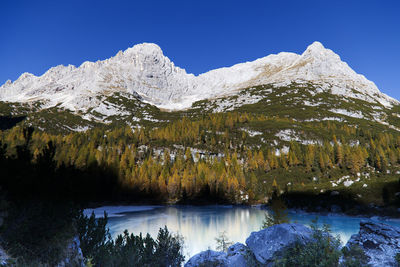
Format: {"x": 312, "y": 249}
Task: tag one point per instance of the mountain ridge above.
{"x": 143, "y": 71}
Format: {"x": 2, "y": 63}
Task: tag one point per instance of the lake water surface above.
{"x": 200, "y": 225}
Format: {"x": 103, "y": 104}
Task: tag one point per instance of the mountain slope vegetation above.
{"x": 302, "y": 125}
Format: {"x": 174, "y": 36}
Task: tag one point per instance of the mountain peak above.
{"x": 316, "y": 47}
{"x": 144, "y": 48}
{"x": 317, "y": 52}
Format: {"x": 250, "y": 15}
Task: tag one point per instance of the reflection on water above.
{"x": 200, "y": 225}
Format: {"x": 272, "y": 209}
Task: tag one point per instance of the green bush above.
{"x": 168, "y": 249}
{"x": 354, "y": 256}
{"x": 94, "y": 236}
{"x": 397, "y": 257}
{"x": 323, "y": 250}
{"x": 127, "y": 249}
{"x": 38, "y": 232}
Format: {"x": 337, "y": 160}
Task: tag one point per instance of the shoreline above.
{"x": 382, "y": 213}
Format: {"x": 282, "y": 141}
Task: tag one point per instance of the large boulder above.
{"x": 380, "y": 242}
{"x": 268, "y": 243}
{"x": 238, "y": 255}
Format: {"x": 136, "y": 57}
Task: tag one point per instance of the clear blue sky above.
{"x": 200, "y": 35}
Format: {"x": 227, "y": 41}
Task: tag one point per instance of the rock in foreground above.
{"x": 207, "y": 257}
{"x": 380, "y": 242}
{"x": 268, "y": 243}
{"x": 238, "y": 255}
{"x": 262, "y": 247}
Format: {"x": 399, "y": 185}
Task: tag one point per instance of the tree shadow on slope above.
{"x": 7, "y": 122}
{"x": 40, "y": 201}
{"x": 206, "y": 196}
{"x": 23, "y": 179}
{"x": 320, "y": 202}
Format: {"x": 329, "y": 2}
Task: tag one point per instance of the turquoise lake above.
{"x": 200, "y": 225}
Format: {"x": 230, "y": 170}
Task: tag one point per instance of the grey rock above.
{"x": 268, "y": 243}
{"x": 238, "y": 255}
{"x": 208, "y": 258}
{"x": 380, "y": 242}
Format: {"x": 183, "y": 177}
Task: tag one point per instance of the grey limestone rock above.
{"x": 380, "y": 242}
{"x": 270, "y": 242}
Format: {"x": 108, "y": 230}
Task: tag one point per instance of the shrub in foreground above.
{"x": 397, "y": 257}
{"x": 38, "y": 232}
{"x": 323, "y": 250}
{"x": 354, "y": 256}
{"x": 128, "y": 249}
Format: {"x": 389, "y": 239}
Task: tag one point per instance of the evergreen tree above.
{"x": 223, "y": 243}
{"x": 278, "y": 213}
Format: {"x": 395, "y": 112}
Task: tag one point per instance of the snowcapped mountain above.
{"x": 145, "y": 73}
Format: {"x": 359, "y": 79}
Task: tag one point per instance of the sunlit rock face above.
{"x": 381, "y": 242}
{"x": 143, "y": 71}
